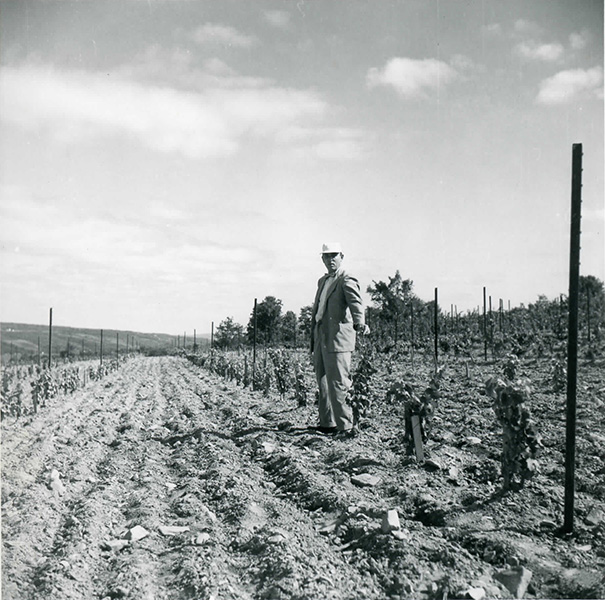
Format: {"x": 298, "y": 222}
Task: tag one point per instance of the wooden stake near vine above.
{"x": 50, "y": 338}
{"x": 417, "y": 434}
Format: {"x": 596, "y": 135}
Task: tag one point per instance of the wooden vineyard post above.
{"x": 572, "y": 335}
{"x": 212, "y": 344}
{"x": 588, "y": 313}
{"x": 411, "y": 334}
{"x": 194, "y": 341}
{"x": 484, "y": 325}
{"x": 436, "y": 322}
{"x": 254, "y": 346}
{"x": 417, "y": 435}
{"x": 38, "y": 350}
{"x": 117, "y": 347}
{"x": 101, "y": 350}
{"x": 50, "y": 338}
{"x": 491, "y": 327}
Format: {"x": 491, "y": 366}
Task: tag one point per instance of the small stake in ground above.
{"x": 417, "y": 433}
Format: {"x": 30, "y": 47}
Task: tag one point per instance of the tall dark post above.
{"x": 50, "y": 338}
{"x": 212, "y": 336}
{"x": 412, "y": 333}
{"x": 254, "y": 345}
{"x": 491, "y": 326}
{"x": 117, "y": 347}
{"x": 101, "y": 349}
{"x": 436, "y": 321}
{"x": 127, "y": 340}
{"x": 185, "y": 340}
{"x": 38, "y": 350}
{"x": 588, "y": 313}
{"x": 572, "y": 335}
{"x": 484, "y": 324}
{"x": 195, "y": 340}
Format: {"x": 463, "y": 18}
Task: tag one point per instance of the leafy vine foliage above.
{"x": 359, "y": 395}
{"x": 422, "y": 406}
{"x": 520, "y": 442}
{"x": 44, "y": 384}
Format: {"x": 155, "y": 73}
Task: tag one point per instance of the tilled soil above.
{"x": 236, "y": 498}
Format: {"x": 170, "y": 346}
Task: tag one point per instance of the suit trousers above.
{"x": 332, "y": 370}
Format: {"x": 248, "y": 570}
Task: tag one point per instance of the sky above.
{"x": 165, "y": 162}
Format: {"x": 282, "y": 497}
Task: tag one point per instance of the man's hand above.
{"x": 361, "y": 329}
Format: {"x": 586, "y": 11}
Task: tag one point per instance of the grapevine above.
{"x": 423, "y": 407}
{"x": 558, "y": 375}
{"x": 520, "y": 443}
{"x": 281, "y": 368}
{"x": 359, "y": 396}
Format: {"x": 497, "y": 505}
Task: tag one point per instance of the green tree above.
{"x": 288, "y": 328}
{"x": 592, "y": 305}
{"x": 392, "y": 302}
{"x": 304, "y": 323}
{"x": 268, "y": 320}
{"x": 229, "y": 334}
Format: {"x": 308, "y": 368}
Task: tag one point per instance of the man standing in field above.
{"x": 337, "y": 315}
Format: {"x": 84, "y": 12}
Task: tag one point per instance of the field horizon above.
{"x": 22, "y": 341}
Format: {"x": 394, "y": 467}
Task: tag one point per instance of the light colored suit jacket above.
{"x": 344, "y": 309}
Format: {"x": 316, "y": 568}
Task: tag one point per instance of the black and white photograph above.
{"x": 302, "y": 299}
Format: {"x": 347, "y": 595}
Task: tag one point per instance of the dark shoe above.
{"x": 346, "y": 434}
{"x": 322, "y": 429}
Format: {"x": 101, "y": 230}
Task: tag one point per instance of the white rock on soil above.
{"x": 268, "y": 447}
{"x": 594, "y": 517}
{"x": 173, "y": 529}
{"x": 137, "y": 533}
{"x": 365, "y": 480}
{"x": 55, "y": 483}
{"x": 390, "y": 521}
{"x": 515, "y": 580}
{"x": 474, "y": 593}
{"x": 453, "y": 473}
{"x": 202, "y": 538}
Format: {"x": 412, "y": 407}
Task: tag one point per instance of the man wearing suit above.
{"x": 337, "y": 315}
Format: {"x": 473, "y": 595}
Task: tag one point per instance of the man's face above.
{"x": 332, "y": 261}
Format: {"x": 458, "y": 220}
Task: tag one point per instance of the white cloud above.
{"x": 280, "y": 19}
{"x": 412, "y": 78}
{"x": 525, "y": 27}
{"x": 567, "y": 86}
{"x": 579, "y": 41}
{"x": 535, "y": 51}
{"x": 75, "y": 106}
{"x": 215, "y": 33}
{"x": 325, "y": 143}
{"x": 494, "y": 29}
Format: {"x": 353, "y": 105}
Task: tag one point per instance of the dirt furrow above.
{"x": 239, "y": 500}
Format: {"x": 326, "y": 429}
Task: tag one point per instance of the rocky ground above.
{"x": 162, "y": 481}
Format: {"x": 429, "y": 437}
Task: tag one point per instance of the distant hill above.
{"x": 19, "y": 342}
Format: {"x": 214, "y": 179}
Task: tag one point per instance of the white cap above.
{"x": 331, "y": 248}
